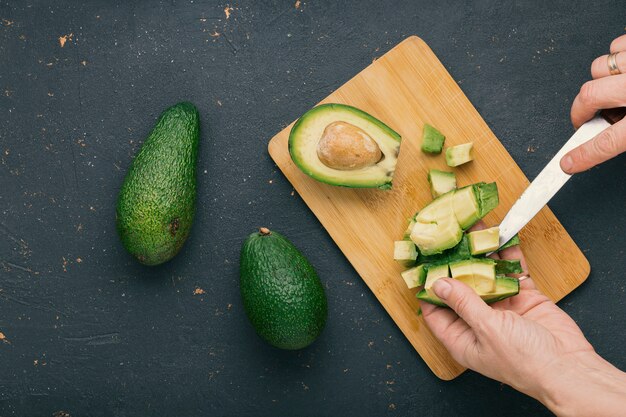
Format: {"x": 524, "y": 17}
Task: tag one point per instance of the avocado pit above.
{"x": 346, "y": 147}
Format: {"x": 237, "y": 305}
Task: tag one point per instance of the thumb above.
{"x": 463, "y": 300}
{"x": 607, "y": 144}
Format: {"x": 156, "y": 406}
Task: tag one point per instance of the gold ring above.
{"x": 612, "y": 61}
{"x": 525, "y": 277}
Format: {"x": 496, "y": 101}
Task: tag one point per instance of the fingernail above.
{"x": 567, "y": 163}
{"x": 442, "y": 288}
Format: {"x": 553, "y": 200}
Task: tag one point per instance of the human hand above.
{"x": 605, "y": 91}
{"x": 527, "y": 342}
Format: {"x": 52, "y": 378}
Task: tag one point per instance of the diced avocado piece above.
{"x": 404, "y": 252}
{"x": 432, "y": 140}
{"x": 441, "y": 182}
{"x": 415, "y": 276}
{"x": 480, "y": 274}
{"x": 342, "y": 145}
{"x": 434, "y": 238}
{"x": 513, "y": 242}
{"x": 473, "y": 202}
{"x": 409, "y": 228}
{"x": 439, "y": 208}
{"x": 460, "y": 154}
{"x": 508, "y": 266}
{"x": 487, "y": 197}
{"x": 466, "y": 206}
{"x": 433, "y": 273}
{"x": 505, "y": 287}
{"x": 484, "y": 241}
{"x": 484, "y": 275}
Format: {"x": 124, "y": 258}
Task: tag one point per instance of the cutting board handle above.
{"x": 613, "y": 115}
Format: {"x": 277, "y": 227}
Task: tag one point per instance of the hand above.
{"x": 527, "y": 342}
{"x": 605, "y": 91}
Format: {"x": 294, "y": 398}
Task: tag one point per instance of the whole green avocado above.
{"x": 156, "y": 204}
{"x": 282, "y": 295}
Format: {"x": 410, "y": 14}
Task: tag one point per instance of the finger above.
{"x": 618, "y": 44}
{"x": 603, "y": 93}
{"x": 450, "y": 329}
{"x": 606, "y": 145}
{"x": 600, "y": 65}
{"x": 464, "y": 301}
{"x": 478, "y": 226}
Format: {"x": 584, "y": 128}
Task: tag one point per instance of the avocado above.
{"x": 439, "y": 225}
{"x": 441, "y": 182}
{"x": 460, "y": 154}
{"x": 484, "y": 241}
{"x": 156, "y": 203}
{"x": 282, "y": 295}
{"x": 407, "y": 232}
{"x": 415, "y": 276}
{"x": 509, "y": 266}
{"x": 505, "y": 287}
{"x": 341, "y": 145}
{"x": 432, "y": 140}
{"x": 514, "y": 241}
{"x": 405, "y": 252}
{"x": 480, "y": 274}
{"x": 435, "y": 272}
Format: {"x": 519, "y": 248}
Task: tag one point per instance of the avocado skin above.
{"x": 156, "y": 203}
{"x": 282, "y": 295}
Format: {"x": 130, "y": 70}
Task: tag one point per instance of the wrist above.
{"x": 583, "y": 384}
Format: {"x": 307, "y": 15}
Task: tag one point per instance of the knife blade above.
{"x": 551, "y": 178}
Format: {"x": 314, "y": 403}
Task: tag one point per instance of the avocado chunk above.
{"x": 480, "y": 274}
{"x": 505, "y": 287}
{"x": 484, "y": 241}
{"x": 432, "y": 140}
{"x": 441, "y": 182}
{"x": 439, "y": 225}
{"x": 433, "y": 273}
{"x": 341, "y": 145}
{"x": 415, "y": 276}
{"x": 460, "y": 154}
{"x": 405, "y": 252}
{"x": 156, "y": 204}
{"x": 509, "y": 266}
{"x": 282, "y": 295}
{"x": 513, "y": 242}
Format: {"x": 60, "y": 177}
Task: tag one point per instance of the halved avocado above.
{"x": 341, "y": 145}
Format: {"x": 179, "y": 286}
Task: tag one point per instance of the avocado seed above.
{"x": 346, "y": 147}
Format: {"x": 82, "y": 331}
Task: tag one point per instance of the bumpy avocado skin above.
{"x": 156, "y": 203}
{"x": 282, "y": 295}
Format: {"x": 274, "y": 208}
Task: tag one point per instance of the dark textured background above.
{"x": 91, "y": 332}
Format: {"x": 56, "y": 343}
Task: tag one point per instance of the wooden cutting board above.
{"x": 406, "y": 88}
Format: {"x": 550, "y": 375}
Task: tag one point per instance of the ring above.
{"x": 612, "y": 62}
{"x": 523, "y": 278}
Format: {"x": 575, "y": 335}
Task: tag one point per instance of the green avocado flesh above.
{"x": 432, "y": 140}
{"x": 405, "y": 252}
{"x": 513, "y": 242}
{"x": 484, "y": 241}
{"x": 308, "y": 130}
{"x": 479, "y": 274}
{"x": 460, "y": 154}
{"x": 441, "y": 182}
{"x": 505, "y": 287}
{"x": 282, "y": 295}
{"x": 156, "y": 204}
{"x": 439, "y": 225}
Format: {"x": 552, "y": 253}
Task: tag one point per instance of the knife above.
{"x": 552, "y": 178}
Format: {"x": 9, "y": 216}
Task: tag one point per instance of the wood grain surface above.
{"x": 406, "y": 88}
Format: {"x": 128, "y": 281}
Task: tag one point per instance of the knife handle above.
{"x": 613, "y": 115}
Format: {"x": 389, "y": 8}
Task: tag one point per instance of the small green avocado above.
{"x": 282, "y": 295}
{"x": 156, "y": 203}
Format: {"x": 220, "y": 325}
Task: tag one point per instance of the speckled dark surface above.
{"x": 91, "y": 332}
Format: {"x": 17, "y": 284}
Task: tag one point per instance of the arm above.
{"x": 605, "y": 91}
{"x": 530, "y": 344}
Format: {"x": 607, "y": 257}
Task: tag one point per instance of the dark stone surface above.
{"x": 91, "y": 332}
